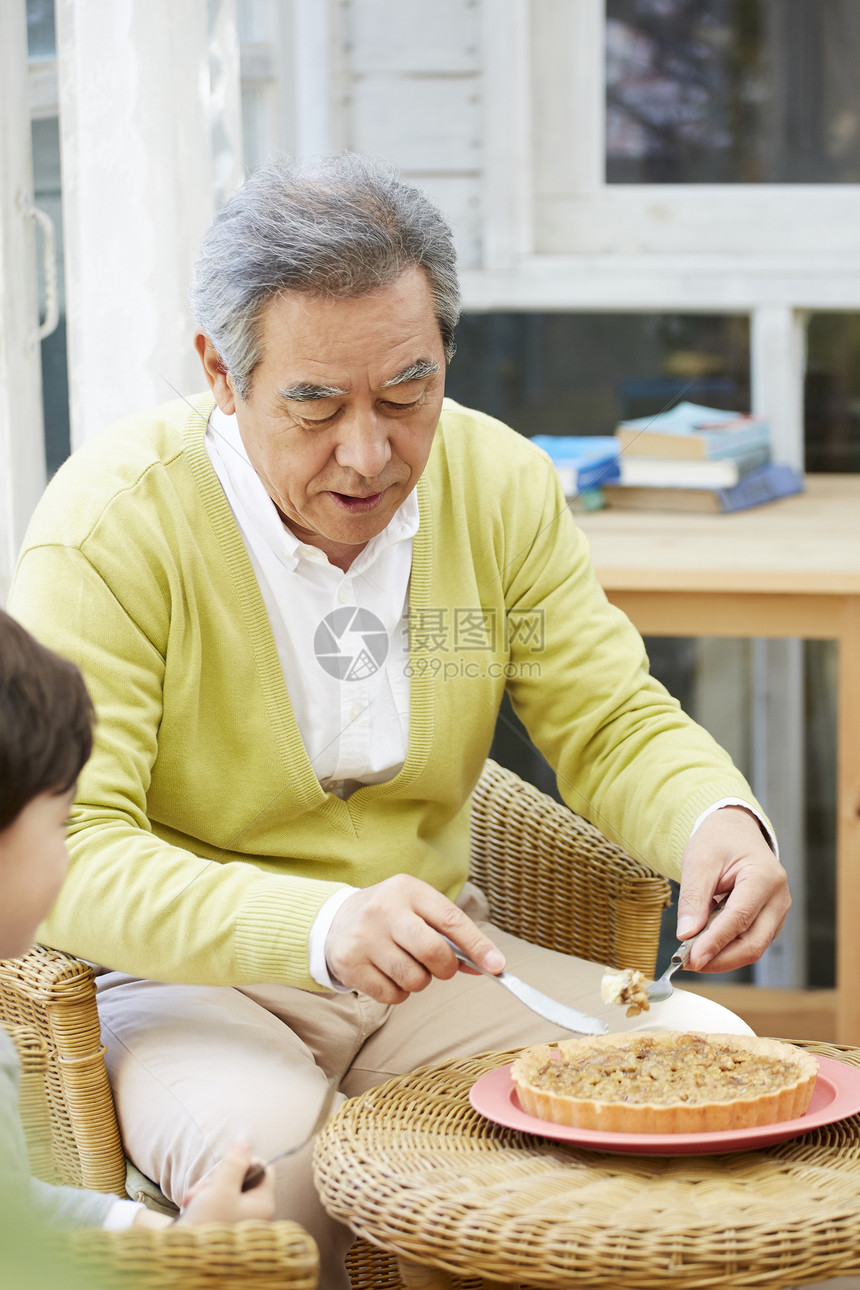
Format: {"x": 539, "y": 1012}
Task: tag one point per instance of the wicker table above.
{"x": 463, "y": 1202}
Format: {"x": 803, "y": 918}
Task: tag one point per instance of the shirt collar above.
{"x": 402, "y": 525}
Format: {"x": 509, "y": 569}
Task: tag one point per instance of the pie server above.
{"x": 550, "y": 1009}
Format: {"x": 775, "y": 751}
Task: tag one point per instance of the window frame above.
{"x": 643, "y": 247}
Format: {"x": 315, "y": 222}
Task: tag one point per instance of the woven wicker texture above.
{"x": 549, "y": 875}
{"x": 32, "y": 1097}
{"x": 411, "y": 1166}
{"x": 556, "y": 881}
{"x": 218, "y": 1256}
{"x": 54, "y": 995}
{"x": 261, "y": 1256}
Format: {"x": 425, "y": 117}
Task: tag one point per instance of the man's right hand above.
{"x": 385, "y": 940}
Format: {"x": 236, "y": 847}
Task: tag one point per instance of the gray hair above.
{"x": 339, "y": 227}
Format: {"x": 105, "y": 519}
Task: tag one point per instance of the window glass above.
{"x": 832, "y": 400}
{"x": 41, "y": 36}
{"x": 832, "y": 444}
{"x": 55, "y": 382}
{"x": 251, "y": 20}
{"x": 732, "y": 91}
{"x": 820, "y": 665}
{"x": 45, "y": 139}
{"x": 567, "y": 373}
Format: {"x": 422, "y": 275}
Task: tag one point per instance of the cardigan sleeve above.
{"x": 132, "y": 900}
{"x": 625, "y": 754}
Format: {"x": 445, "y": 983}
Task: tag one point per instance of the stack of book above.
{"x": 585, "y": 463}
{"x": 693, "y": 458}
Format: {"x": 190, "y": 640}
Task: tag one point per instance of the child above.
{"x": 45, "y": 738}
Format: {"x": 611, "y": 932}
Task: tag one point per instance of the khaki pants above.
{"x": 194, "y": 1068}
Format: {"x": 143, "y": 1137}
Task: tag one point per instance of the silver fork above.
{"x": 662, "y": 988}
{"x": 254, "y": 1173}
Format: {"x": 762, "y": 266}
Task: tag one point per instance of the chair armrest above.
{"x": 214, "y": 1256}
{"x": 54, "y": 994}
{"x": 555, "y": 880}
{"x": 32, "y": 1100}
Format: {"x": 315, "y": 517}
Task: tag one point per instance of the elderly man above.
{"x": 297, "y": 602}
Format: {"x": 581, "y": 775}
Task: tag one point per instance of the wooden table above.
{"x": 788, "y": 569}
{"x": 412, "y": 1168}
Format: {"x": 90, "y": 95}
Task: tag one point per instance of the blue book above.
{"x": 582, "y": 461}
{"x": 693, "y": 432}
{"x": 764, "y": 484}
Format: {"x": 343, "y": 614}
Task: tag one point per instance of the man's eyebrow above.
{"x": 304, "y": 392}
{"x": 418, "y": 371}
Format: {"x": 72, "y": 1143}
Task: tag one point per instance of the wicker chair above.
{"x": 550, "y": 877}
{"x": 214, "y": 1256}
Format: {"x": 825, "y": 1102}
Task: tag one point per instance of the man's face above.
{"x": 343, "y": 407}
{"x": 33, "y": 862}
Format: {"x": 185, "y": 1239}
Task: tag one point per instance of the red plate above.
{"x": 835, "y": 1096}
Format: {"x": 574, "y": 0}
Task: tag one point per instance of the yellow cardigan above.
{"x": 202, "y": 844}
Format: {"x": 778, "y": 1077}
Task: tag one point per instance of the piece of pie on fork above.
{"x": 665, "y": 1082}
{"x": 627, "y": 987}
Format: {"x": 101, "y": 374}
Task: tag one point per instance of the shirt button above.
{"x": 355, "y": 712}
{"x": 343, "y": 593}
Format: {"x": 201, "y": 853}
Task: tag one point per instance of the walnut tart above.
{"x": 654, "y": 1081}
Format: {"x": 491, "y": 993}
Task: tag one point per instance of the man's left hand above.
{"x": 728, "y": 854}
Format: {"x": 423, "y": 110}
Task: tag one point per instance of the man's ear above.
{"x": 219, "y": 379}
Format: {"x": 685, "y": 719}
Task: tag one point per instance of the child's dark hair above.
{"x": 46, "y": 721}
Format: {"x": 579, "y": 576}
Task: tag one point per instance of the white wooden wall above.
{"x": 410, "y": 89}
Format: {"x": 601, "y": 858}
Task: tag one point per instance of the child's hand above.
{"x": 218, "y": 1196}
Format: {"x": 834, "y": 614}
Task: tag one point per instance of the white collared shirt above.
{"x": 341, "y": 637}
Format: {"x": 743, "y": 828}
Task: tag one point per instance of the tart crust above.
{"x": 665, "y": 1082}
